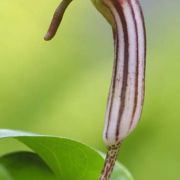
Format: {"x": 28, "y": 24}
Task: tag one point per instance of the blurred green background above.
{"x": 60, "y": 87}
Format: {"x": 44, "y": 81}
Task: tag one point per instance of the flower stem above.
{"x": 110, "y": 160}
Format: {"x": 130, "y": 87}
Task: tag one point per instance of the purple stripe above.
{"x": 137, "y": 64}
{"x": 145, "y": 38}
{"x": 119, "y": 9}
{"x": 116, "y": 46}
{"x": 115, "y": 66}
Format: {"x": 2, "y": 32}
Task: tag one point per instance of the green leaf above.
{"x": 121, "y": 173}
{"x": 4, "y": 174}
{"x": 68, "y": 159}
{"x": 26, "y": 165}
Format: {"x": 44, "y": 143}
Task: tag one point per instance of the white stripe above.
{"x": 129, "y": 101}
{"x": 111, "y": 139}
{"x": 141, "y": 42}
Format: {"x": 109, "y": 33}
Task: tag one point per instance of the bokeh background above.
{"x": 60, "y": 87}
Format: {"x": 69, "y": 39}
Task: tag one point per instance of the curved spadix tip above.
{"x": 48, "y": 37}
{"x": 56, "y": 20}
